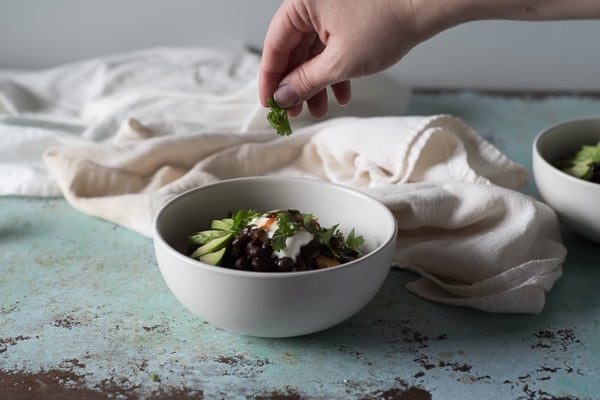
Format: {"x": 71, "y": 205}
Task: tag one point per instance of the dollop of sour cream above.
{"x": 293, "y": 244}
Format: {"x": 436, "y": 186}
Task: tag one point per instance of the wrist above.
{"x": 432, "y": 16}
{"x": 424, "y": 19}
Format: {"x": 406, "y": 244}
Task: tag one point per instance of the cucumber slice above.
{"x": 225, "y": 224}
{"x": 212, "y": 246}
{"x": 203, "y": 237}
{"x": 213, "y": 258}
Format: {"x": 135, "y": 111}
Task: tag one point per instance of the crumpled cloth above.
{"x": 192, "y": 88}
{"x": 464, "y": 228}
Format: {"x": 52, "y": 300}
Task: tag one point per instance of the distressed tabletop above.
{"x": 85, "y": 314}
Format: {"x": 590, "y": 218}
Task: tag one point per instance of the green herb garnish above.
{"x": 234, "y": 243}
{"x": 324, "y": 236}
{"x": 287, "y": 227}
{"x": 584, "y": 164}
{"x": 243, "y": 218}
{"x": 278, "y": 118}
{"x": 353, "y": 242}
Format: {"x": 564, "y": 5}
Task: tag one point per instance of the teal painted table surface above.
{"x": 85, "y": 314}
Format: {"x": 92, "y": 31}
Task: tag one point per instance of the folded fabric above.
{"x": 86, "y": 101}
{"x": 194, "y": 88}
{"x": 121, "y": 135}
{"x": 474, "y": 245}
{"x": 475, "y": 240}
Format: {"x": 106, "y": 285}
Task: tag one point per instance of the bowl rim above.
{"x": 158, "y": 237}
{"x": 543, "y": 159}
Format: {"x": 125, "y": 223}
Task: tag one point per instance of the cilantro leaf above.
{"x": 242, "y": 218}
{"x": 324, "y": 236}
{"x": 353, "y": 242}
{"x": 286, "y": 227}
{"x": 278, "y": 118}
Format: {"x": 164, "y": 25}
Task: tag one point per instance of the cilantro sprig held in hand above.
{"x": 278, "y": 118}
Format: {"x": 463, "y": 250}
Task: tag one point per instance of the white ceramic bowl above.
{"x": 575, "y": 200}
{"x": 276, "y": 304}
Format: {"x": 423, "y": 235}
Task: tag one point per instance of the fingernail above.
{"x": 285, "y": 96}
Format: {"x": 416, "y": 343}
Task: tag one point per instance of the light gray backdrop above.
{"x": 504, "y": 55}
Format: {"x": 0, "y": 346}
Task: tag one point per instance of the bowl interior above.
{"x": 331, "y": 204}
{"x": 563, "y": 140}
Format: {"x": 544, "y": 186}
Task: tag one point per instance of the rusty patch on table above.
{"x": 551, "y": 341}
{"x": 241, "y": 360}
{"x": 400, "y": 391}
{"x": 11, "y": 341}
{"x": 403, "y": 332}
{"x": 8, "y": 309}
{"x": 68, "y": 322}
{"x": 352, "y": 352}
{"x": 426, "y": 363}
{"x": 560, "y": 339}
{"x": 411, "y": 393}
{"x": 533, "y": 394}
{"x": 403, "y": 391}
{"x": 55, "y": 384}
{"x": 286, "y": 394}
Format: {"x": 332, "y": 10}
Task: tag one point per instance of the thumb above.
{"x": 303, "y": 82}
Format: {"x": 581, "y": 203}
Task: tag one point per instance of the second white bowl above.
{"x": 576, "y": 201}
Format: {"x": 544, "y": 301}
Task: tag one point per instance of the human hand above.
{"x": 312, "y": 44}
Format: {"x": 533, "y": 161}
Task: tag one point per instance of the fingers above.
{"x": 342, "y": 92}
{"x": 296, "y": 66}
{"x": 278, "y": 50}
{"x": 294, "y": 111}
{"x": 317, "y": 105}
{"x": 299, "y": 86}
{"x": 285, "y": 94}
{"x": 305, "y": 80}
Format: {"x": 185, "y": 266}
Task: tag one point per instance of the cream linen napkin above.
{"x": 86, "y": 101}
{"x": 473, "y": 239}
{"x": 192, "y": 88}
{"x": 124, "y": 133}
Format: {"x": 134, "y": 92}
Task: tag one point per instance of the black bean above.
{"x": 595, "y": 166}
{"x": 259, "y": 234}
{"x": 285, "y": 264}
{"x": 261, "y": 264}
{"x": 301, "y": 265}
{"x": 311, "y": 249}
{"x": 237, "y": 251}
{"x": 254, "y": 243}
{"x": 242, "y": 263}
{"x": 240, "y": 241}
{"x": 337, "y": 243}
{"x": 257, "y": 251}
{"x": 311, "y": 263}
